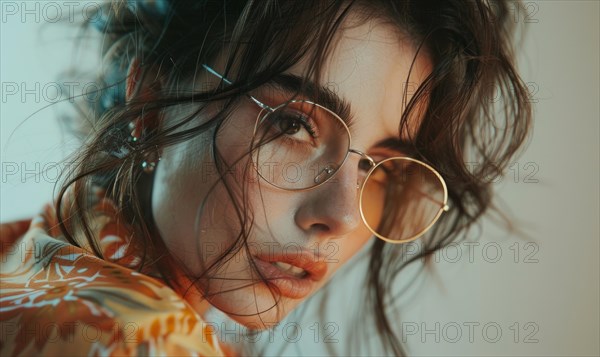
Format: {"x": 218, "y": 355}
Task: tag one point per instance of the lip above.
{"x": 289, "y": 285}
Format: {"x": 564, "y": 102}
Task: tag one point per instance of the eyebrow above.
{"x": 295, "y": 85}
{"x": 400, "y": 146}
{"x": 322, "y": 95}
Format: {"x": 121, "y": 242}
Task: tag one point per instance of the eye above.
{"x": 364, "y": 165}
{"x": 380, "y": 175}
{"x": 293, "y": 123}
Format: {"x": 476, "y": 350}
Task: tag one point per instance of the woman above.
{"x": 241, "y": 152}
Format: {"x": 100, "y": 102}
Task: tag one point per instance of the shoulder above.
{"x": 58, "y": 300}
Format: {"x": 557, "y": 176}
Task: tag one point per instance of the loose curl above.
{"x": 473, "y": 61}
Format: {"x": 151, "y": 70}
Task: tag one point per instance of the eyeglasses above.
{"x": 300, "y": 145}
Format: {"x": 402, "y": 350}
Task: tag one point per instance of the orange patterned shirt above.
{"x": 58, "y": 299}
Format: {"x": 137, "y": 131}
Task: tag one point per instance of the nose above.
{"x": 331, "y": 210}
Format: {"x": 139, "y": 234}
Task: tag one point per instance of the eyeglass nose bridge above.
{"x": 363, "y": 155}
{"x": 329, "y": 171}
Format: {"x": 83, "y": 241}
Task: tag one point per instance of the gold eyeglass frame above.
{"x": 262, "y": 115}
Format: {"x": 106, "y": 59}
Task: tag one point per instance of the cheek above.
{"x": 194, "y": 211}
{"x": 350, "y": 246}
{"x": 340, "y": 251}
{"x": 189, "y": 210}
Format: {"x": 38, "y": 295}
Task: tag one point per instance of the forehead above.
{"x": 369, "y": 67}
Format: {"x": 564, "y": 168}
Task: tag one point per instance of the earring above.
{"x": 149, "y": 165}
{"x": 134, "y": 134}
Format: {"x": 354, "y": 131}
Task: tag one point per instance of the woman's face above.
{"x": 314, "y": 231}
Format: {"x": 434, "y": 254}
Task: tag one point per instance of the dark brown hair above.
{"x": 469, "y": 41}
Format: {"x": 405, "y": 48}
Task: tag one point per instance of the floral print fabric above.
{"x": 58, "y": 299}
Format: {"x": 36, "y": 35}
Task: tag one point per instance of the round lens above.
{"x": 401, "y": 198}
{"x": 299, "y": 145}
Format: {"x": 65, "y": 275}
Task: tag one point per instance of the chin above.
{"x": 255, "y": 307}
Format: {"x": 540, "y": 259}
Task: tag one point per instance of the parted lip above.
{"x": 304, "y": 259}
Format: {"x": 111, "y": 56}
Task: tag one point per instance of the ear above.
{"x": 142, "y": 86}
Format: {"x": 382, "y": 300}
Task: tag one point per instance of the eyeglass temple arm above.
{"x": 227, "y": 81}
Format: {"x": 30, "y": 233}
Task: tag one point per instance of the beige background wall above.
{"x": 541, "y": 292}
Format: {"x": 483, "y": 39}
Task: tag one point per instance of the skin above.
{"x": 368, "y": 67}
